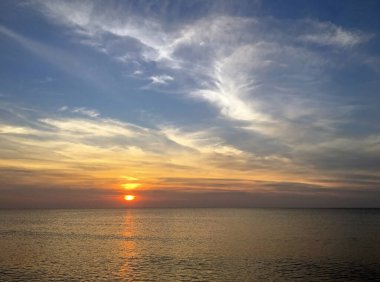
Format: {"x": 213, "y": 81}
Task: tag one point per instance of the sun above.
{"x": 129, "y": 197}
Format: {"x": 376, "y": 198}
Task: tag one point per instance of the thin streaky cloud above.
{"x": 161, "y": 79}
{"x": 64, "y": 61}
{"x": 324, "y": 33}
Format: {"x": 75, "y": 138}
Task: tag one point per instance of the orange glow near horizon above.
{"x": 129, "y": 197}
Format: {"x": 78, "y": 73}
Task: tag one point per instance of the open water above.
{"x": 190, "y": 245}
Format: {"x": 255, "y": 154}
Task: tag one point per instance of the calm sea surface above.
{"x": 190, "y": 245}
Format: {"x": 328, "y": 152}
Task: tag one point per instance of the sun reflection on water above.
{"x": 128, "y": 246}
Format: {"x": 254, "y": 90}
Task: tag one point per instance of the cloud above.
{"x": 89, "y": 144}
{"x": 63, "y": 108}
{"x": 85, "y": 111}
{"x": 98, "y": 155}
{"x": 93, "y": 22}
{"x": 96, "y": 151}
{"x": 161, "y": 79}
{"x": 168, "y": 49}
{"x": 324, "y": 33}
{"x": 197, "y": 140}
{"x": 10, "y": 129}
{"x": 238, "y": 65}
{"x": 66, "y": 62}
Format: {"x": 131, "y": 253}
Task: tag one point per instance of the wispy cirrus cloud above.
{"x": 87, "y": 112}
{"x": 66, "y": 62}
{"x": 161, "y": 79}
{"x": 325, "y": 33}
{"x": 229, "y": 62}
{"x": 257, "y": 72}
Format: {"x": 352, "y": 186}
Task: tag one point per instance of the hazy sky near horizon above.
{"x": 190, "y": 103}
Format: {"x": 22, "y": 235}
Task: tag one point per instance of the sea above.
{"x": 190, "y": 245}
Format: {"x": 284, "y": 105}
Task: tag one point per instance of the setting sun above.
{"x": 129, "y": 197}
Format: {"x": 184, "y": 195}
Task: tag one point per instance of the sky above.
{"x": 189, "y": 103}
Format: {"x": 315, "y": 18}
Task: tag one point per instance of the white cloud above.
{"x": 161, "y": 79}
{"x": 87, "y": 127}
{"x": 87, "y": 112}
{"x": 220, "y": 54}
{"x": 324, "y": 33}
{"x": 233, "y": 82}
{"x": 138, "y": 72}
{"x": 63, "y": 109}
{"x": 12, "y": 129}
